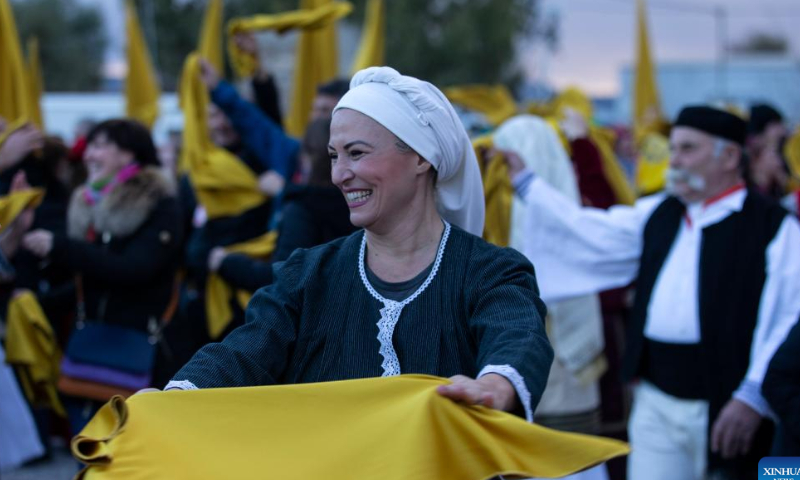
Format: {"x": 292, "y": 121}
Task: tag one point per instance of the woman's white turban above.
{"x": 420, "y": 115}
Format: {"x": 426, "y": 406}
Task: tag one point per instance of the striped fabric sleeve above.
{"x": 522, "y": 182}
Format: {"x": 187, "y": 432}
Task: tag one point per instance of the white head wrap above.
{"x": 540, "y": 149}
{"x": 420, "y": 115}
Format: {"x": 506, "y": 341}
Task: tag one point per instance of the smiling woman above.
{"x": 416, "y": 291}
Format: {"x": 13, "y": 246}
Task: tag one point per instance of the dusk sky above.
{"x": 597, "y": 36}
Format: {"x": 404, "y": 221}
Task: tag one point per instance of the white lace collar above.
{"x": 390, "y": 313}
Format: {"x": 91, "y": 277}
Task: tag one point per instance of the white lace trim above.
{"x": 180, "y": 385}
{"x": 390, "y": 313}
{"x": 512, "y": 375}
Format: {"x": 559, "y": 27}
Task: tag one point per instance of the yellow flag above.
{"x": 35, "y": 83}
{"x": 141, "y": 86}
{"x": 652, "y": 163}
{"x": 494, "y": 101}
{"x": 317, "y": 61}
{"x": 392, "y": 428}
{"x": 210, "y": 46}
{"x": 224, "y": 185}
{"x": 14, "y": 98}
{"x": 219, "y": 293}
{"x": 646, "y": 105}
{"x": 309, "y": 19}
{"x": 372, "y": 50}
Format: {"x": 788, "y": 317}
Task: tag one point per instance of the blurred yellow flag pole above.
{"x": 210, "y": 46}
{"x": 14, "y": 99}
{"x": 646, "y": 104}
{"x": 35, "y": 83}
{"x": 141, "y": 86}
{"x": 372, "y": 50}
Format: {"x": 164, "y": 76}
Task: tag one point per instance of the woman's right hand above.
{"x": 215, "y": 258}
{"x": 39, "y": 242}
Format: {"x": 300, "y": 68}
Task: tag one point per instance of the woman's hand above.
{"x": 39, "y": 242}
{"x": 491, "y": 390}
{"x": 271, "y": 183}
{"x": 209, "y": 75}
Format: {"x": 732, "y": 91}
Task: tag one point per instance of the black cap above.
{"x": 713, "y": 121}
{"x": 761, "y": 116}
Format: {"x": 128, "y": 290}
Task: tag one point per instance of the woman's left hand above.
{"x": 39, "y": 242}
{"x": 491, "y": 390}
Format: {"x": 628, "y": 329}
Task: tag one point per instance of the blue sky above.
{"x": 597, "y": 36}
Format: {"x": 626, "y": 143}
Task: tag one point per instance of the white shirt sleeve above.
{"x": 581, "y": 250}
{"x": 780, "y": 299}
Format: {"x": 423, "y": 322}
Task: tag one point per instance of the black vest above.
{"x": 731, "y": 279}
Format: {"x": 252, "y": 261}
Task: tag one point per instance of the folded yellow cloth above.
{"x": 14, "y": 97}
{"x": 494, "y": 101}
{"x": 393, "y": 428}
{"x": 224, "y": 185}
{"x": 305, "y": 19}
{"x": 15, "y": 203}
{"x": 141, "y": 85}
{"x": 219, "y": 294}
{"x": 791, "y": 151}
{"x": 31, "y": 347}
{"x": 651, "y": 167}
{"x": 498, "y": 193}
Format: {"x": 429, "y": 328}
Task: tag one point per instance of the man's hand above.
{"x": 734, "y": 429}
{"x": 209, "y": 75}
{"x": 512, "y": 159}
{"x": 491, "y": 390}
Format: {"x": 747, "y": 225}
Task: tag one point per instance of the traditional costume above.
{"x": 717, "y": 292}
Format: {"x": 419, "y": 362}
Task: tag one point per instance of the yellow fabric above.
{"x": 14, "y": 203}
{"x": 31, "y": 347}
{"x": 791, "y": 151}
{"x": 317, "y": 61}
{"x": 497, "y": 191}
{"x": 652, "y": 164}
{"x": 394, "y": 428}
{"x": 313, "y": 15}
{"x": 603, "y": 138}
{"x": 224, "y": 185}
{"x": 35, "y": 84}
{"x": 372, "y": 50}
{"x": 219, "y": 293}
{"x": 14, "y": 99}
{"x": 141, "y": 86}
{"x": 210, "y": 46}
{"x": 647, "y": 116}
{"x": 494, "y": 101}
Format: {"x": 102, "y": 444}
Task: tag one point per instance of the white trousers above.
{"x": 668, "y": 436}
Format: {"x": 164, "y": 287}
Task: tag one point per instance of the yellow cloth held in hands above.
{"x": 14, "y": 98}
{"x": 219, "y": 293}
{"x": 393, "y": 428}
{"x": 141, "y": 86}
{"x": 321, "y": 15}
{"x": 603, "y": 139}
{"x": 494, "y": 101}
{"x": 372, "y": 50}
{"x": 210, "y": 46}
{"x": 652, "y": 164}
{"x": 14, "y": 203}
{"x": 224, "y": 185}
{"x": 35, "y": 83}
{"x": 31, "y": 347}
{"x": 497, "y": 191}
